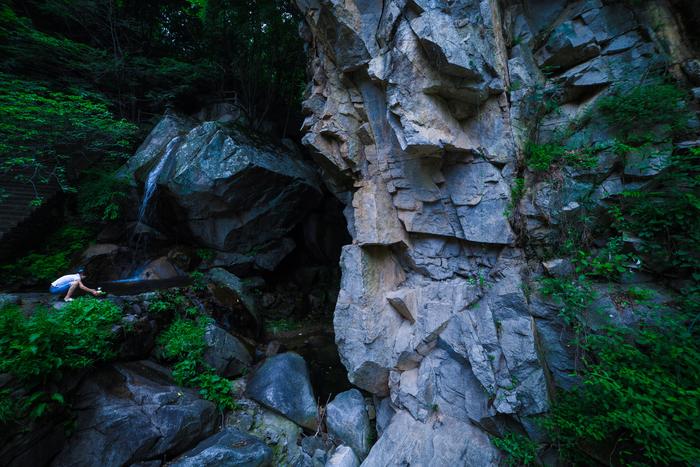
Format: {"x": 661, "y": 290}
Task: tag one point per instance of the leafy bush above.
{"x": 541, "y": 157}
{"x": 610, "y": 262}
{"x": 102, "y": 196}
{"x": 168, "y": 301}
{"x": 183, "y": 339}
{"x": 640, "y": 398}
{"x": 183, "y": 342}
{"x": 520, "y": 450}
{"x": 51, "y": 261}
{"x": 40, "y": 348}
{"x": 636, "y": 112}
{"x": 216, "y": 389}
{"x": 575, "y": 294}
{"x": 667, "y": 219}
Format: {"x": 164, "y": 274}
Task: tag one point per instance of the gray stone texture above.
{"x": 235, "y": 194}
{"x": 347, "y": 420}
{"x": 228, "y": 448}
{"x": 282, "y": 384}
{"x": 131, "y": 412}
{"x": 424, "y": 108}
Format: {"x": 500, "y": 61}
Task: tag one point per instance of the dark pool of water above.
{"x": 328, "y": 375}
{"x": 137, "y": 286}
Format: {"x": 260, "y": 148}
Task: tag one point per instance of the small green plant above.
{"x": 575, "y": 294}
{"x": 216, "y": 389}
{"x": 610, "y": 262}
{"x": 183, "y": 342}
{"x": 640, "y": 293}
{"x": 517, "y": 190}
{"x": 168, "y": 301}
{"x": 540, "y": 157}
{"x": 206, "y": 254}
{"x": 183, "y": 339}
{"x": 519, "y": 449}
{"x": 199, "y": 283}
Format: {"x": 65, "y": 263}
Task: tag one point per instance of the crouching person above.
{"x": 67, "y": 284}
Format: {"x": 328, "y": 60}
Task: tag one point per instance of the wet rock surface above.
{"x": 232, "y": 193}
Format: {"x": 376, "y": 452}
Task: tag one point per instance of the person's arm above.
{"x": 87, "y": 289}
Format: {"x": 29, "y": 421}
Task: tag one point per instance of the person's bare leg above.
{"x": 73, "y": 286}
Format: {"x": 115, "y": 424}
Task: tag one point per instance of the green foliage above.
{"x": 52, "y": 260}
{"x": 167, "y": 301}
{"x": 516, "y": 194}
{"x": 257, "y": 44}
{"x": 519, "y": 449}
{"x": 575, "y": 294}
{"x": 183, "y": 339}
{"x": 640, "y": 397}
{"x": 639, "y": 400}
{"x": 42, "y": 129}
{"x": 216, "y": 389}
{"x": 139, "y": 55}
{"x": 517, "y": 190}
{"x": 639, "y": 110}
{"x": 667, "y": 218}
{"x": 640, "y": 293}
{"x": 609, "y": 262}
{"x": 183, "y": 343}
{"x": 199, "y": 283}
{"x": 540, "y": 157}
{"x": 206, "y": 254}
{"x": 40, "y": 348}
{"x": 102, "y": 196}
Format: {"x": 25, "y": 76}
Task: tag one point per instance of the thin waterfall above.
{"x": 138, "y": 241}
{"x": 151, "y": 182}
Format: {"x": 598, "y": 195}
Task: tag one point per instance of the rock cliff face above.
{"x": 418, "y": 113}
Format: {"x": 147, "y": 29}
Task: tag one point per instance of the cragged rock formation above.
{"x": 230, "y": 191}
{"x": 418, "y": 113}
{"x": 132, "y": 412}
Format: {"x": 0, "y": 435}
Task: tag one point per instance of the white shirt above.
{"x": 69, "y": 279}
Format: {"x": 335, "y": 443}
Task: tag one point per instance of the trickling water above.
{"x": 151, "y": 184}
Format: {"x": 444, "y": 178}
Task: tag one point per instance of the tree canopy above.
{"x": 80, "y": 78}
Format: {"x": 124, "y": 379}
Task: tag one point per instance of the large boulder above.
{"x": 282, "y": 383}
{"x": 227, "y": 448}
{"x": 231, "y": 292}
{"x": 232, "y": 193}
{"x": 225, "y": 353}
{"x": 342, "y": 456}
{"x": 348, "y": 421}
{"x": 132, "y": 412}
